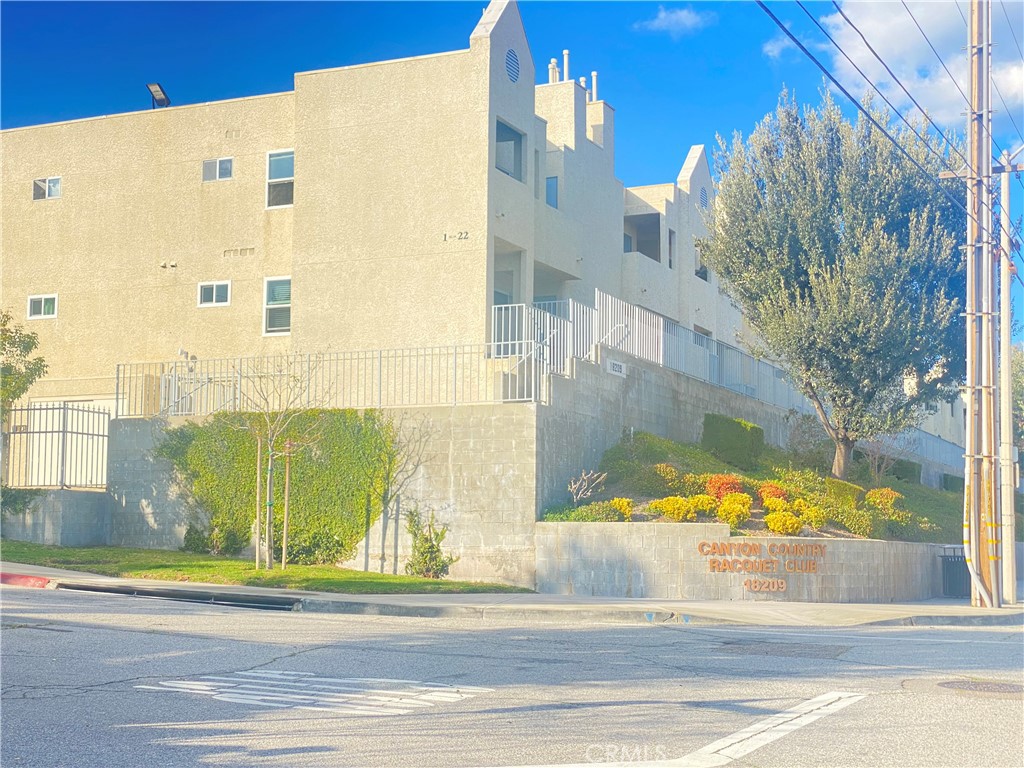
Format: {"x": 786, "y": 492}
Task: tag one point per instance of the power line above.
{"x": 824, "y": 70}
{"x": 1010, "y": 25}
{"x": 879, "y": 91}
{"x": 1009, "y": 112}
{"x": 867, "y": 79}
{"x": 943, "y": 63}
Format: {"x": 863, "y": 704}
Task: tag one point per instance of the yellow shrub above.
{"x": 704, "y": 504}
{"x": 785, "y": 523}
{"x": 735, "y": 509}
{"x": 775, "y": 504}
{"x": 625, "y": 506}
{"x": 740, "y": 499}
{"x": 669, "y": 474}
{"x": 675, "y": 508}
{"x": 813, "y": 516}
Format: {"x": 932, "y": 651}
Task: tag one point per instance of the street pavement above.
{"x": 537, "y": 607}
{"x": 103, "y": 679}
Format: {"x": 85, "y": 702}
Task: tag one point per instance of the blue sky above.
{"x": 677, "y": 74}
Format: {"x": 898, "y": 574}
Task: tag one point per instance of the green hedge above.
{"x": 735, "y": 441}
{"x": 216, "y": 466}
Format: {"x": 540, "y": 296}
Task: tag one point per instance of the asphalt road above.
{"x": 111, "y": 681}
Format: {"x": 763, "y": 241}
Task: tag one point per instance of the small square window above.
{"x": 280, "y": 178}
{"x": 46, "y": 189}
{"x": 551, "y": 191}
{"x": 40, "y": 307}
{"x": 277, "y": 306}
{"x": 214, "y": 294}
{"x": 217, "y": 170}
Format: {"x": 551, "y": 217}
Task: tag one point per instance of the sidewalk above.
{"x": 533, "y": 607}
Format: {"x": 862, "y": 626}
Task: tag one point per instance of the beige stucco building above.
{"x": 372, "y": 207}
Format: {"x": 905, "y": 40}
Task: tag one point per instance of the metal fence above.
{"x": 55, "y": 445}
{"x": 510, "y": 371}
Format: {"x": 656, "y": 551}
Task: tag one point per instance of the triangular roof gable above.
{"x": 696, "y": 163}
{"x": 498, "y": 13}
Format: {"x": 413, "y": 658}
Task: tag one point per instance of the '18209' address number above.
{"x": 765, "y": 585}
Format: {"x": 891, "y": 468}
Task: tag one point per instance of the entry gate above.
{"x": 55, "y": 445}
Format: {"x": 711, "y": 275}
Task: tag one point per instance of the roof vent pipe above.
{"x": 593, "y": 84}
{"x": 553, "y": 71}
{"x": 565, "y": 63}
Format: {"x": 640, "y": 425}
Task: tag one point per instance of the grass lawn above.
{"x": 211, "y": 569}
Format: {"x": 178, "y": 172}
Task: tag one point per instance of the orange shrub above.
{"x": 721, "y": 485}
{"x": 770, "y": 490}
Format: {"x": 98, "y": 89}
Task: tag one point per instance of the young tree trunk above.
{"x": 844, "y": 457}
{"x": 287, "y": 489}
{"x": 269, "y": 522}
{"x": 259, "y": 505}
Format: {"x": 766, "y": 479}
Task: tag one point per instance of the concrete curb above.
{"x": 23, "y": 580}
{"x": 723, "y": 614}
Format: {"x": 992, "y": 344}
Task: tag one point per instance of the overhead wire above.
{"x": 882, "y": 129}
{"x": 967, "y": 99}
{"x": 896, "y": 111}
{"x": 1010, "y": 25}
{"x": 1009, "y": 112}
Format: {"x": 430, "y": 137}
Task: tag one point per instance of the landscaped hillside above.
{"x": 650, "y": 478}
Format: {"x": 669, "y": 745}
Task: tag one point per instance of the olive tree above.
{"x": 843, "y": 257}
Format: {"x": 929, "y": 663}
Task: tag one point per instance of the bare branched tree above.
{"x": 399, "y": 441}
{"x": 273, "y": 392}
{"x": 882, "y": 452}
{"x": 587, "y": 484}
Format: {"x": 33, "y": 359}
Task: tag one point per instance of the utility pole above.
{"x": 981, "y": 530}
{"x": 1007, "y": 473}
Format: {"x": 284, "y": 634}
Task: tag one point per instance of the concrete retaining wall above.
{"x": 478, "y": 474}
{"x": 63, "y": 518}
{"x": 146, "y": 509}
{"x": 700, "y": 561}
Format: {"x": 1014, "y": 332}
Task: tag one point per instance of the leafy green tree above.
{"x": 1017, "y": 385}
{"x": 843, "y": 257}
{"x": 18, "y": 370}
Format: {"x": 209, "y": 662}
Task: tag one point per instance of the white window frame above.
{"x": 266, "y": 192}
{"x": 46, "y": 181}
{"x": 43, "y": 297}
{"x": 217, "y": 177}
{"x": 206, "y": 304}
{"x": 519, "y": 171}
{"x": 266, "y": 281}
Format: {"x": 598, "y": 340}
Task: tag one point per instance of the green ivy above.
{"x": 216, "y": 467}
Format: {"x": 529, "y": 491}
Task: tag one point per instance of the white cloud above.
{"x": 676, "y": 21}
{"x": 775, "y": 47}
{"x": 893, "y": 34}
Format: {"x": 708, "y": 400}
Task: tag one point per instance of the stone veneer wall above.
{"x": 678, "y": 561}
{"x": 63, "y": 518}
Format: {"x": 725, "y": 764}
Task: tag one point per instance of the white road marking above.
{"x": 724, "y": 751}
{"x": 303, "y": 690}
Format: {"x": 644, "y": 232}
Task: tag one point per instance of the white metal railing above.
{"x": 55, "y": 445}
{"x": 511, "y": 371}
{"x": 649, "y": 336}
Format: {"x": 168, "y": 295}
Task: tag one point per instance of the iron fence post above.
{"x": 63, "y": 442}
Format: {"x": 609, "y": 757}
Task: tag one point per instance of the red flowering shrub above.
{"x": 720, "y": 485}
